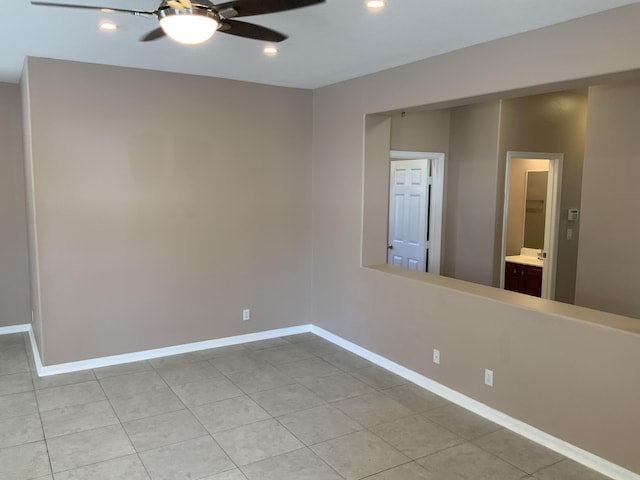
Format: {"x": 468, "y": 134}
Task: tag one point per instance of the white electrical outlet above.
{"x": 246, "y": 314}
{"x": 436, "y": 356}
{"x": 488, "y": 377}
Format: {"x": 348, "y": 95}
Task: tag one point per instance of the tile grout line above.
{"x": 121, "y": 425}
{"x": 381, "y": 390}
{"x": 473, "y": 441}
{"x": 297, "y": 383}
{"x": 209, "y": 434}
{"x": 44, "y": 437}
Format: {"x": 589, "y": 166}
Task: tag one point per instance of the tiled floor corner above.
{"x": 290, "y": 408}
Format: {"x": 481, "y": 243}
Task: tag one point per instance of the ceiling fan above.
{"x": 195, "y": 21}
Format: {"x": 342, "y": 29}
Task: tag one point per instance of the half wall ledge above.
{"x": 550, "y": 307}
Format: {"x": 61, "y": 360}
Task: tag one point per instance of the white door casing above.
{"x": 415, "y": 208}
{"x": 552, "y": 217}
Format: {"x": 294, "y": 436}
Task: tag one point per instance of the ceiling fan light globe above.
{"x": 188, "y": 27}
{"x": 375, "y": 4}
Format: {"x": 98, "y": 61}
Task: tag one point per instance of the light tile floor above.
{"x": 293, "y": 408}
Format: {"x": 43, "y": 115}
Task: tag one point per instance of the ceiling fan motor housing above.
{"x": 168, "y": 11}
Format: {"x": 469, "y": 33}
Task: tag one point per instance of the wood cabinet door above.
{"x": 511, "y": 276}
{"x": 523, "y": 279}
{"x": 531, "y": 280}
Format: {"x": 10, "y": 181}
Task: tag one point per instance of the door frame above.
{"x": 435, "y": 212}
{"x": 552, "y": 215}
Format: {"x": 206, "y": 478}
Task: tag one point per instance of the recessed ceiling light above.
{"x": 375, "y": 4}
{"x": 108, "y": 26}
{"x": 270, "y": 51}
{"x": 106, "y": 10}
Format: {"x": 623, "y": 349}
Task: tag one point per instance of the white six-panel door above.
{"x": 408, "y": 215}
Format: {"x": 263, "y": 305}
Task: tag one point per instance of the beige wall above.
{"x": 138, "y": 248}
{"x": 14, "y": 276}
{"x": 468, "y": 136}
{"x": 609, "y": 254}
{"x": 32, "y": 240}
{"x": 164, "y": 205}
{"x": 479, "y": 137}
{"x": 545, "y": 360}
{"x": 376, "y": 214}
{"x": 421, "y": 131}
{"x": 471, "y": 182}
{"x": 412, "y": 132}
{"x": 550, "y": 123}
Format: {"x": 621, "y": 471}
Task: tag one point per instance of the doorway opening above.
{"x": 416, "y": 192}
{"x": 531, "y": 223}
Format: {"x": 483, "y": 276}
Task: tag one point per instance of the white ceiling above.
{"x": 328, "y": 43}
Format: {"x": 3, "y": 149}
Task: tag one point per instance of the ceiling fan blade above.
{"x": 176, "y": 5}
{"x": 250, "y": 30}
{"x": 246, "y": 8}
{"x": 91, "y": 7}
{"x": 186, "y": 3}
{"x": 153, "y": 35}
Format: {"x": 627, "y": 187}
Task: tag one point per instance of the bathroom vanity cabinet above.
{"x": 523, "y": 278}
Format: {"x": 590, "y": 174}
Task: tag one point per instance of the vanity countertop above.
{"x": 525, "y": 260}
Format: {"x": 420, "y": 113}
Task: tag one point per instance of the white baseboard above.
{"x": 577, "y": 454}
{"x": 165, "y": 351}
{"x": 26, "y": 328}
{"x": 15, "y": 329}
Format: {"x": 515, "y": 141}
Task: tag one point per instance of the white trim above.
{"x": 44, "y": 371}
{"x": 26, "y": 328}
{"x": 15, "y": 329}
{"x": 552, "y": 214}
{"x": 436, "y": 213}
{"x": 436, "y": 180}
{"x": 577, "y": 454}
{"x": 403, "y": 155}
